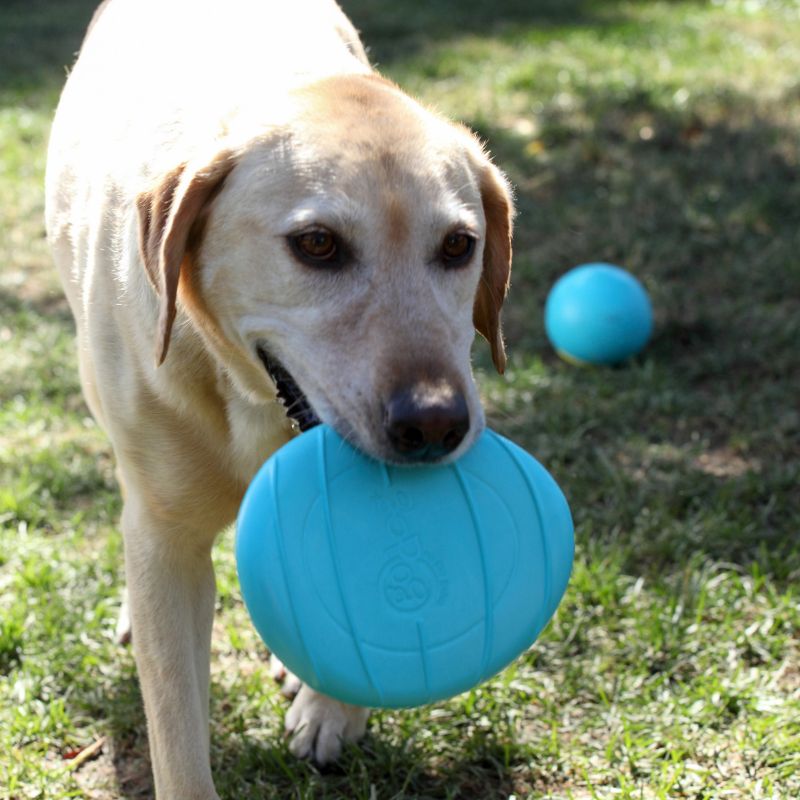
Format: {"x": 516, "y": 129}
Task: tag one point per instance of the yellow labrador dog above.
{"x": 256, "y": 232}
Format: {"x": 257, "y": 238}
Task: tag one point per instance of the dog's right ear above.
{"x": 170, "y": 216}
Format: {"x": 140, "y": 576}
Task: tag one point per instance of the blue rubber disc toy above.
{"x": 598, "y": 314}
{"x": 387, "y": 586}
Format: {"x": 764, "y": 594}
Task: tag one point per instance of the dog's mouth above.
{"x": 298, "y": 409}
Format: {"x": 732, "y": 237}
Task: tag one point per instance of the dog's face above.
{"x": 349, "y": 254}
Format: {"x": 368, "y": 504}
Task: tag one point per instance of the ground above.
{"x": 662, "y": 136}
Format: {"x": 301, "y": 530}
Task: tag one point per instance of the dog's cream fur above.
{"x": 191, "y": 139}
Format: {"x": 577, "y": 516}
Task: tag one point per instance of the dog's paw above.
{"x": 320, "y": 725}
{"x": 290, "y": 683}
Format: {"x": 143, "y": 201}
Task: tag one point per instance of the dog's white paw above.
{"x": 290, "y": 683}
{"x": 320, "y": 725}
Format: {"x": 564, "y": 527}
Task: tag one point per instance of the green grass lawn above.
{"x": 663, "y": 136}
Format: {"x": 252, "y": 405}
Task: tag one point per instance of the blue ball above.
{"x": 387, "y": 586}
{"x": 598, "y": 314}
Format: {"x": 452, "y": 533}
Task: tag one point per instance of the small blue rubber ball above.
{"x": 387, "y": 586}
{"x": 598, "y": 314}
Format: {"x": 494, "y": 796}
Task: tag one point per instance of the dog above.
{"x": 257, "y": 232}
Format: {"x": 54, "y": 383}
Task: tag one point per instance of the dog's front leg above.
{"x": 171, "y": 592}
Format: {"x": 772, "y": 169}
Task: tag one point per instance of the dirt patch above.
{"x": 118, "y": 772}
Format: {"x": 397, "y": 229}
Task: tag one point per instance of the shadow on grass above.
{"x": 124, "y": 710}
{"x": 40, "y": 38}
{"x": 38, "y": 42}
{"x": 700, "y": 435}
{"x": 392, "y": 30}
{"x": 52, "y": 307}
{"x": 481, "y": 765}
{"x": 254, "y": 771}
{"x": 707, "y": 214}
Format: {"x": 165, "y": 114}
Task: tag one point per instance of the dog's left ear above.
{"x": 170, "y": 217}
{"x": 498, "y": 208}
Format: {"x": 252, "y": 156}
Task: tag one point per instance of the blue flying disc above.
{"x": 598, "y": 314}
{"x": 387, "y": 586}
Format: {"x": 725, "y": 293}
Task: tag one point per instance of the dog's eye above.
{"x": 457, "y": 248}
{"x": 316, "y": 246}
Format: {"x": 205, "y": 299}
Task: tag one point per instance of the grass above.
{"x": 659, "y": 135}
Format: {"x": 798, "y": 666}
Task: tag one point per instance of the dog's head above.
{"x": 348, "y": 253}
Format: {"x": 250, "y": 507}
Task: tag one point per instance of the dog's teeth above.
{"x": 289, "y": 395}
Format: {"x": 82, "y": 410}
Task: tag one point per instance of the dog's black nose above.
{"x": 426, "y": 421}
